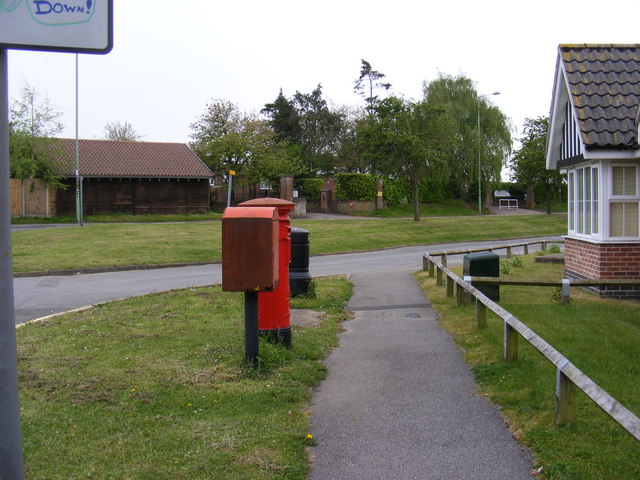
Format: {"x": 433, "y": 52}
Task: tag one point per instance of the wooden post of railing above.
{"x": 426, "y": 263}
{"x": 449, "y": 283}
{"x": 509, "y": 251}
{"x": 543, "y": 246}
{"x": 510, "y": 343}
{"x": 565, "y": 398}
{"x": 481, "y": 314}
{"x": 459, "y": 294}
{"x": 526, "y": 249}
{"x": 438, "y": 277}
{"x": 443, "y": 259}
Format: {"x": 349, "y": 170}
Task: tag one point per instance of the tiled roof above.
{"x": 108, "y": 158}
{"x": 604, "y": 84}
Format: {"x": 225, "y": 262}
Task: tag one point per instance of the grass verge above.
{"x": 142, "y": 244}
{"x": 600, "y": 337}
{"x": 154, "y": 387}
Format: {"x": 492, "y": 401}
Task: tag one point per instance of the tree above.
{"x": 33, "y": 122}
{"x": 227, "y": 139}
{"x": 121, "y": 131}
{"x": 408, "y": 140}
{"x": 529, "y": 162}
{"x": 368, "y": 81}
{"x": 492, "y": 142}
{"x": 309, "y": 127}
{"x": 218, "y": 138}
{"x": 284, "y": 119}
{"x": 319, "y": 129}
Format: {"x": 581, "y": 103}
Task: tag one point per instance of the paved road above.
{"x": 41, "y": 296}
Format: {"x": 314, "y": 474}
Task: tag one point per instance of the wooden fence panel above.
{"x": 35, "y": 197}
{"x": 31, "y": 197}
{"x": 15, "y": 197}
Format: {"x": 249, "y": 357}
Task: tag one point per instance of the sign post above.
{"x": 10, "y": 437}
{"x": 76, "y": 26}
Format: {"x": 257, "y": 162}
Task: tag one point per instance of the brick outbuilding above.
{"x": 593, "y": 138}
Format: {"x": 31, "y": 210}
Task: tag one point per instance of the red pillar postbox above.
{"x": 274, "y": 319}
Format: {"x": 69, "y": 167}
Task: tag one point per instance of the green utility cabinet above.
{"x": 483, "y": 264}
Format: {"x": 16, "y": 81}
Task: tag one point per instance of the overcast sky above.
{"x": 171, "y": 58}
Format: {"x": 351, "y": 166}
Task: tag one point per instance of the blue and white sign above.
{"x": 57, "y": 25}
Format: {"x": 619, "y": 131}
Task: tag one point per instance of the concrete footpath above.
{"x": 399, "y": 402}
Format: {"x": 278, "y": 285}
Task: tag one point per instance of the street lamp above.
{"x": 478, "y": 97}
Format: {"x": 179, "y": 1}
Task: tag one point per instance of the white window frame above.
{"x": 584, "y": 198}
{"x": 632, "y": 198}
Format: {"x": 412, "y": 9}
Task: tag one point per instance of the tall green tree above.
{"x": 284, "y": 119}
{"x": 310, "y": 128}
{"x": 33, "y": 124}
{"x": 491, "y": 143}
{"x": 319, "y": 128}
{"x": 528, "y": 164}
{"x": 368, "y": 82}
{"x": 404, "y": 139}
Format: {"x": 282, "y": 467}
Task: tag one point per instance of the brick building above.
{"x": 593, "y": 138}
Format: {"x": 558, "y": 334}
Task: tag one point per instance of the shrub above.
{"x": 356, "y": 186}
{"x": 311, "y": 187}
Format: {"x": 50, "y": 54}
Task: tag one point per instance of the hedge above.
{"x": 356, "y": 186}
{"x": 398, "y": 191}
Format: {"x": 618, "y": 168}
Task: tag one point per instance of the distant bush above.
{"x": 356, "y": 186}
{"x": 311, "y": 187}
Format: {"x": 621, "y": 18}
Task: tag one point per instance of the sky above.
{"x": 171, "y": 58}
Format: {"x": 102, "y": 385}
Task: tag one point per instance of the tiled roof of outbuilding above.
{"x": 112, "y": 159}
{"x": 604, "y": 84}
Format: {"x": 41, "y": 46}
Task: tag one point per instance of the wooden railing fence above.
{"x": 568, "y": 376}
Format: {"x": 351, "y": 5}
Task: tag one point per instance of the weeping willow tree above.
{"x": 482, "y": 132}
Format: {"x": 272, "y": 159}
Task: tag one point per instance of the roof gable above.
{"x": 601, "y": 86}
{"x": 109, "y": 158}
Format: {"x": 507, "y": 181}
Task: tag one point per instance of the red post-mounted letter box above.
{"x": 250, "y": 257}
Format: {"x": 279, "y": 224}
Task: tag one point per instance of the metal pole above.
{"x": 251, "y": 337}
{"x": 78, "y": 177}
{"x": 10, "y": 437}
{"x": 479, "y": 169}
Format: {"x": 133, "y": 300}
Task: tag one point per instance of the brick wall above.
{"x": 599, "y": 261}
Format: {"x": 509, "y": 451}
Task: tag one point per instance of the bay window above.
{"x": 584, "y": 194}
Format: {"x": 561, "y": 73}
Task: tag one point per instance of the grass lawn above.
{"x": 162, "y": 243}
{"x": 600, "y": 337}
{"x": 449, "y": 208}
{"x": 154, "y": 387}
